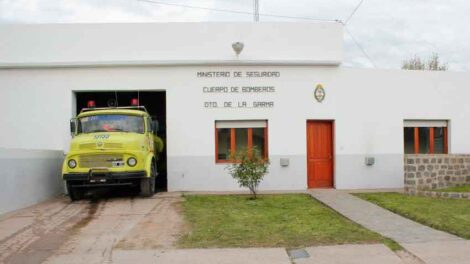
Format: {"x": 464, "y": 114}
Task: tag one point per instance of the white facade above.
{"x": 43, "y": 66}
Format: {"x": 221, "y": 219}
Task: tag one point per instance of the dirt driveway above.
{"x": 59, "y": 231}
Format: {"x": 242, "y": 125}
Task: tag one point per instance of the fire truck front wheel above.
{"x": 147, "y": 185}
{"x": 75, "y": 193}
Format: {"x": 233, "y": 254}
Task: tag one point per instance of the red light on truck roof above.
{"x": 91, "y": 104}
{"x": 135, "y": 102}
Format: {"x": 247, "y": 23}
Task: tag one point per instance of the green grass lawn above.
{"x": 465, "y": 188}
{"x": 291, "y": 220}
{"x": 450, "y": 215}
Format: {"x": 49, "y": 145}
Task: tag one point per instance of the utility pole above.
{"x": 256, "y": 10}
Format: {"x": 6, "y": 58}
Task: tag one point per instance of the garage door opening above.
{"x": 154, "y": 102}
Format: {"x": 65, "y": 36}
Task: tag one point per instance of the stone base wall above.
{"x": 425, "y": 172}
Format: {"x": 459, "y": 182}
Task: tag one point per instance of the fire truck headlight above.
{"x": 131, "y": 162}
{"x": 72, "y": 164}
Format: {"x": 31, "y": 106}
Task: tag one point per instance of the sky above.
{"x": 389, "y": 31}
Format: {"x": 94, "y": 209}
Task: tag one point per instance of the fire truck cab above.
{"x": 114, "y": 146}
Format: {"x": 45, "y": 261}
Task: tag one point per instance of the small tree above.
{"x": 248, "y": 169}
{"x": 416, "y": 63}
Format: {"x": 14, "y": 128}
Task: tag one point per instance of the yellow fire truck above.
{"x": 115, "y": 146}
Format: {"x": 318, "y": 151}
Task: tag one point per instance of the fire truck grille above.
{"x": 99, "y": 161}
{"x": 86, "y": 146}
{"x": 92, "y": 146}
{"x": 112, "y": 145}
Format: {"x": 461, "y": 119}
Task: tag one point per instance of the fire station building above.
{"x": 218, "y": 87}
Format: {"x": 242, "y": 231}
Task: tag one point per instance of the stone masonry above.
{"x": 425, "y": 173}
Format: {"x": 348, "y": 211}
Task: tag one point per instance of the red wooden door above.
{"x": 319, "y": 154}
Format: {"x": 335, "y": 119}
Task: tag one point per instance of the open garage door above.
{"x": 154, "y": 102}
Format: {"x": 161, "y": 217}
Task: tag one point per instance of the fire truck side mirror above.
{"x": 73, "y": 126}
{"x": 154, "y": 126}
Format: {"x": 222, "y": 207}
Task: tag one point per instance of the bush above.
{"x": 248, "y": 169}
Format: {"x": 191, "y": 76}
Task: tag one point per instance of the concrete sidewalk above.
{"x": 430, "y": 245}
{"x": 203, "y": 256}
{"x": 341, "y": 254}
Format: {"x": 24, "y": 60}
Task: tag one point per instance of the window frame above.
{"x": 431, "y": 140}
{"x": 233, "y": 142}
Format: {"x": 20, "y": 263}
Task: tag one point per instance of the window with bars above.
{"x": 426, "y": 137}
{"x": 231, "y": 136}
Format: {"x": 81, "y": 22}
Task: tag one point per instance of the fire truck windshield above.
{"x": 111, "y": 123}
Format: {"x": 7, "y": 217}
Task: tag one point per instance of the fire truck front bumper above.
{"x": 98, "y": 179}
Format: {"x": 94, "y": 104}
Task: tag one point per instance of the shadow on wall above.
{"x": 29, "y": 177}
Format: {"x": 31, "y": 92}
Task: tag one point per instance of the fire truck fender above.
{"x": 148, "y": 164}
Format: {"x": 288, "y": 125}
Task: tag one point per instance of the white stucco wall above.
{"x": 368, "y": 107}
{"x": 170, "y": 44}
{"x": 28, "y": 177}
